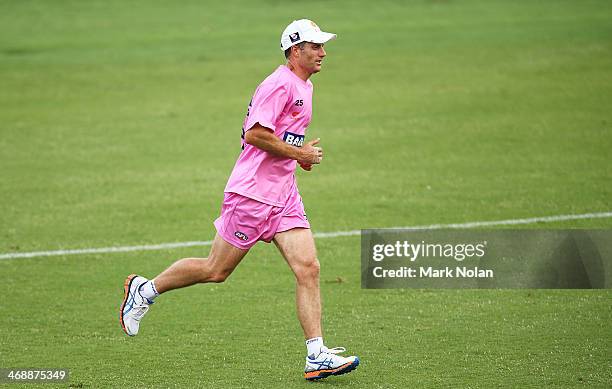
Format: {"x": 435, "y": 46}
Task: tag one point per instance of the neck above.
{"x": 301, "y": 73}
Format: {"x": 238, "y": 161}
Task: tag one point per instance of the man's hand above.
{"x": 307, "y": 167}
{"x": 310, "y": 154}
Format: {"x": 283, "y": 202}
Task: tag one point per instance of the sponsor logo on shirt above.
{"x": 293, "y": 139}
{"x": 241, "y": 235}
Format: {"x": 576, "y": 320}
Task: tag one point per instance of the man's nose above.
{"x": 322, "y": 52}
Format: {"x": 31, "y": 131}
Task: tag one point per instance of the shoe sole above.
{"x": 346, "y": 368}
{"x": 126, "y": 294}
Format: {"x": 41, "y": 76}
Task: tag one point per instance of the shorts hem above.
{"x": 285, "y": 229}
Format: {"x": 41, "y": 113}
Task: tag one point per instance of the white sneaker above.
{"x": 134, "y": 306}
{"x": 328, "y": 362}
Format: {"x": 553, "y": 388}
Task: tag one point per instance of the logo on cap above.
{"x": 294, "y": 37}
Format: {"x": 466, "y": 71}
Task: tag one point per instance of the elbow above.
{"x": 250, "y": 138}
{"x": 257, "y": 135}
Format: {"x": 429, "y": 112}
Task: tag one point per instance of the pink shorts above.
{"x": 244, "y": 221}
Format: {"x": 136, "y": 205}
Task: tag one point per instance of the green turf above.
{"x": 120, "y": 123}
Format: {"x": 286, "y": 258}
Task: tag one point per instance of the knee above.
{"x": 218, "y": 277}
{"x": 308, "y": 272}
{"x": 213, "y": 273}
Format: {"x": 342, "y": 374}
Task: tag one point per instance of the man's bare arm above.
{"x": 263, "y": 138}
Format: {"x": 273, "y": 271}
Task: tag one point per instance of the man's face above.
{"x": 310, "y": 57}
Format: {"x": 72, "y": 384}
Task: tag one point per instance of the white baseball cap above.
{"x": 303, "y": 30}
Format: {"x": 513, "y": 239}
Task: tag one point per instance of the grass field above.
{"x": 120, "y": 123}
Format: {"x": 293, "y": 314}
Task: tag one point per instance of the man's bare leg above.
{"x": 298, "y": 248}
{"x": 139, "y": 292}
{"x": 221, "y": 262}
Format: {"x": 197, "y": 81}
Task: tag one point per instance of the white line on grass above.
{"x": 165, "y": 246}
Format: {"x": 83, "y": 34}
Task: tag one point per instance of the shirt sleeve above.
{"x": 267, "y": 106}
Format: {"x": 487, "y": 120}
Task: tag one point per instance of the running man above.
{"x": 262, "y": 201}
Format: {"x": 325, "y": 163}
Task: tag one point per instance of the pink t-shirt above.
{"x": 283, "y": 104}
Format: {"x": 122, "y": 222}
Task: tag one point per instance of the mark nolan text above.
{"x": 430, "y": 272}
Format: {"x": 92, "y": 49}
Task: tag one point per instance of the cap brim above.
{"x": 322, "y": 37}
